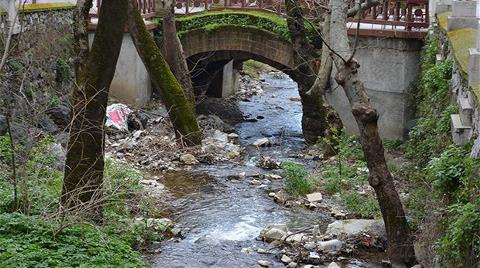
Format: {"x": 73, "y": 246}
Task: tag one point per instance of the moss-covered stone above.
{"x": 45, "y": 7}
{"x": 442, "y": 19}
{"x": 462, "y": 40}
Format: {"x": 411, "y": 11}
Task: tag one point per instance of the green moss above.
{"x": 45, "y": 6}
{"x": 181, "y": 111}
{"x": 462, "y": 40}
{"x": 442, "y": 19}
{"x": 258, "y": 19}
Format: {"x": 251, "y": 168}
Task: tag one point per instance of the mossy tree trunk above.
{"x": 173, "y": 51}
{"x": 318, "y": 116}
{"x": 180, "y": 110}
{"x": 400, "y": 242}
{"x": 84, "y": 166}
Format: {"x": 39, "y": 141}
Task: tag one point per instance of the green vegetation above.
{"x": 43, "y": 236}
{"x": 296, "y": 177}
{"x": 442, "y": 178}
{"x": 210, "y": 20}
{"x": 45, "y": 6}
{"x": 254, "y": 68}
{"x": 347, "y": 173}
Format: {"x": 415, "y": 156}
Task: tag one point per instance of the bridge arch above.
{"x": 207, "y": 52}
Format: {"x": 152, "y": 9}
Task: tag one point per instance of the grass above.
{"x": 261, "y": 14}
{"x": 254, "y": 68}
{"x": 297, "y": 181}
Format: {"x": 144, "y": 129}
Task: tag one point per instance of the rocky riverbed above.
{"x": 226, "y": 197}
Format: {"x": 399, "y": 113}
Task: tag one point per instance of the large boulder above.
{"x": 355, "y": 227}
{"x": 274, "y": 232}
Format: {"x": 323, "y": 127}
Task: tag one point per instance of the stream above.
{"x": 219, "y": 213}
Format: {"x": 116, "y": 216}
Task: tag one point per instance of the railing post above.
{"x": 187, "y": 6}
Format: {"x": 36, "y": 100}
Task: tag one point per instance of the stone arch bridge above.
{"x": 217, "y": 42}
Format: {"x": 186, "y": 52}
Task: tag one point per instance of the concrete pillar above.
{"x": 131, "y": 83}
{"x": 463, "y": 15}
{"x": 230, "y": 79}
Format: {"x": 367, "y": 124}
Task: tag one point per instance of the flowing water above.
{"x": 221, "y": 214}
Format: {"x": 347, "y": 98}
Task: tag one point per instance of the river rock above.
{"x": 333, "y": 265}
{"x": 267, "y": 162}
{"x": 357, "y": 226}
{"x": 263, "y": 263}
{"x": 314, "y": 197}
{"x": 274, "y": 232}
{"x": 263, "y": 142}
{"x": 273, "y": 177}
{"x": 292, "y": 265}
{"x": 298, "y": 238}
{"x": 188, "y": 159}
{"x": 286, "y": 259}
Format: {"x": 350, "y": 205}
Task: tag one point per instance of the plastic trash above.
{"x": 117, "y": 115}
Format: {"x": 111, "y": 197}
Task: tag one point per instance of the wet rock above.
{"x": 273, "y": 177}
{"x": 333, "y": 265}
{"x": 267, "y": 162}
{"x": 334, "y": 245}
{"x": 337, "y": 214}
{"x": 280, "y": 197}
{"x": 226, "y": 109}
{"x": 274, "y": 232}
{"x": 246, "y": 250}
{"x": 355, "y": 227}
{"x": 314, "y": 197}
{"x": 296, "y": 238}
{"x": 295, "y": 98}
{"x": 272, "y": 194}
{"x": 188, "y": 159}
{"x": 207, "y": 122}
{"x": 262, "y": 142}
{"x": 262, "y": 251}
{"x": 314, "y": 258}
{"x": 263, "y": 263}
{"x": 60, "y": 114}
{"x": 286, "y": 259}
{"x": 47, "y": 125}
{"x": 311, "y": 206}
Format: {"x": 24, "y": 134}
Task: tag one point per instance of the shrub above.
{"x": 365, "y": 206}
{"x": 461, "y": 241}
{"x": 446, "y": 171}
{"x": 29, "y": 241}
{"x": 296, "y": 179}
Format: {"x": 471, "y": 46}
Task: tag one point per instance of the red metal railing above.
{"x": 185, "y": 7}
{"x": 147, "y": 8}
{"x": 395, "y": 15}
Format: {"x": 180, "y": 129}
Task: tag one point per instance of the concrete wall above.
{"x": 131, "y": 83}
{"x": 388, "y": 66}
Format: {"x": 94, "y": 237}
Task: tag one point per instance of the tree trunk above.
{"x": 180, "y": 110}
{"x": 400, "y": 242}
{"x": 173, "y": 51}
{"x": 82, "y": 185}
{"x": 318, "y": 116}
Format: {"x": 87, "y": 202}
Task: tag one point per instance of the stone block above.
{"x": 473, "y": 67}
{"x": 466, "y": 111}
{"x": 461, "y": 22}
{"x": 461, "y": 134}
{"x": 462, "y": 8}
